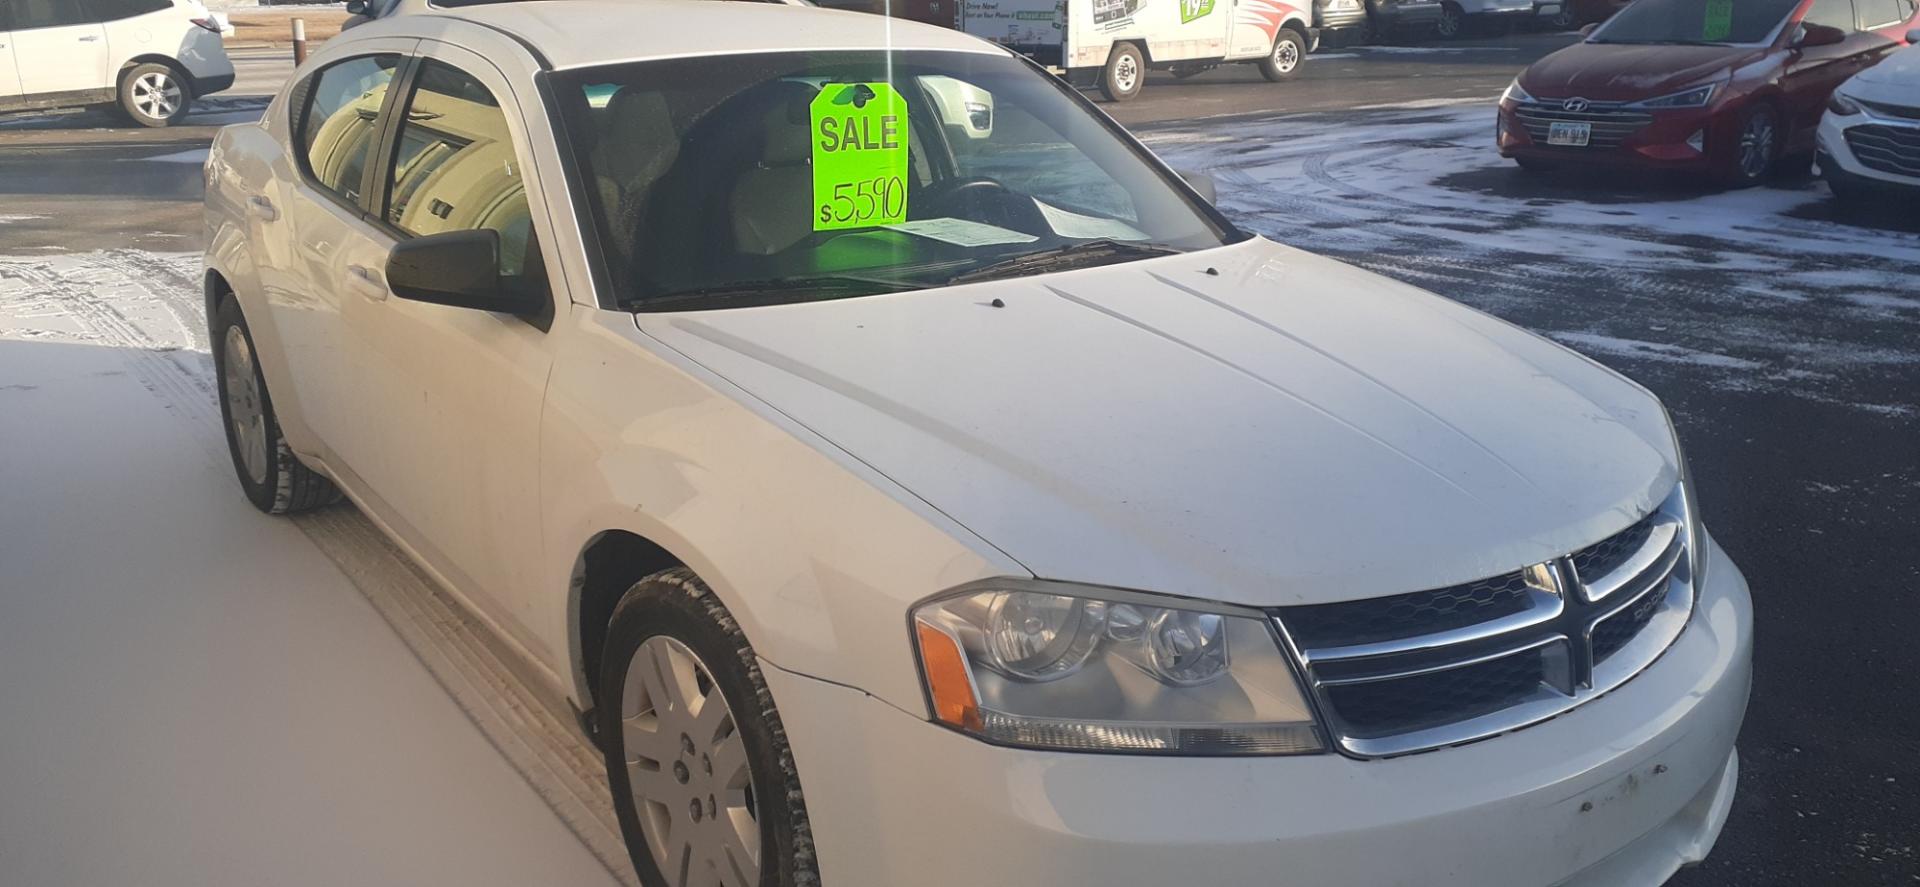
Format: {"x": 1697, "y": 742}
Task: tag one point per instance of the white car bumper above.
{"x": 204, "y": 55}
{"x": 1889, "y": 167}
{"x": 1621, "y": 791}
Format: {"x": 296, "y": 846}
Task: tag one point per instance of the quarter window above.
{"x": 1881, "y": 13}
{"x": 341, "y": 119}
{"x": 455, "y": 169}
{"x": 30, "y": 14}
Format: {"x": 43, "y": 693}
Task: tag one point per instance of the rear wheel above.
{"x": 1288, "y": 50}
{"x": 1453, "y": 20}
{"x": 272, "y": 476}
{"x": 154, "y": 95}
{"x": 703, "y": 780}
{"x": 1125, "y": 73}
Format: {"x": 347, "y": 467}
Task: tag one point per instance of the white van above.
{"x": 1115, "y": 42}
{"x": 151, "y": 58}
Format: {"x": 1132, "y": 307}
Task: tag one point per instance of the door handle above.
{"x": 89, "y": 39}
{"x": 262, "y": 207}
{"x": 367, "y": 282}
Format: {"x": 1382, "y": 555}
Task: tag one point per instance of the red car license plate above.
{"x": 1574, "y": 134}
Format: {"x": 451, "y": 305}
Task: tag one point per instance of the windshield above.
{"x": 1695, "y": 21}
{"x": 760, "y": 179}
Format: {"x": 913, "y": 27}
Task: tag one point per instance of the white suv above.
{"x": 150, "y": 58}
{"x": 1869, "y": 140}
{"x": 913, "y": 481}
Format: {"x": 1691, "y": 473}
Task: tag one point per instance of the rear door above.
{"x": 59, "y": 46}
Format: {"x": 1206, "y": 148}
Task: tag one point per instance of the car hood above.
{"x": 1252, "y": 424}
{"x": 1902, "y": 69}
{"x": 1626, "y": 73}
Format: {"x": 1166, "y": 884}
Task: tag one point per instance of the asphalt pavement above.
{"x": 1784, "y": 337}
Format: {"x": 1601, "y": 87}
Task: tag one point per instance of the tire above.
{"x": 1284, "y": 61}
{"x": 272, "y": 476}
{"x": 1535, "y": 165}
{"x": 1755, "y": 148}
{"x": 154, "y": 95}
{"x": 1125, "y": 73}
{"x": 1452, "y": 23}
{"x": 670, "y": 623}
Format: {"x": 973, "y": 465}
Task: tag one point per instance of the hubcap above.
{"x": 244, "y": 409}
{"x": 1125, "y": 73}
{"x": 692, "y": 785}
{"x": 156, "y": 95}
{"x": 1756, "y": 146}
{"x": 1449, "y": 23}
{"x": 1285, "y": 55}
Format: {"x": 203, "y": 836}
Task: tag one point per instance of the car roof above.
{"x": 580, "y": 33}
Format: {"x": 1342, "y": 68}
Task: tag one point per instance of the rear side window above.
{"x": 455, "y": 169}
{"x": 340, "y": 119}
{"x": 1833, "y": 14}
{"x": 30, "y": 14}
{"x": 115, "y": 10}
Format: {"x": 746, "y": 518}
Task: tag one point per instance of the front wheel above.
{"x": 1756, "y": 147}
{"x": 274, "y": 479}
{"x": 1453, "y": 21}
{"x": 1284, "y": 60}
{"x": 1125, "y": 73}
{"x": 154, "y": 95}
{"x": 703, "y": 780}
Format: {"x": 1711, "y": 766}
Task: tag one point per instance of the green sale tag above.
{"x": 859, "y": 156}
{"x": 1719, "y": 22}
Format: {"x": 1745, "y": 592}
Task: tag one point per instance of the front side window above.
{"x": 1832, "y": 13}
{"x": 342, "y": 115}
{"x": 1883, "y": 13}
{"x": 31, "y": 14}
{"x": 1700, "y": 21}
{"x": 455, "y": 168}
{"x": 787, "y": 177}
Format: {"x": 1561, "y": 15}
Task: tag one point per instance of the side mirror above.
{"x": 356, "y": 7}
{"x": 458, "y": 268}
{"x": 1202, "y": 183}
{"x": 1819, "y": 35}
{"x": 1587, "y": 29}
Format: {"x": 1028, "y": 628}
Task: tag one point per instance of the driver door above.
{"x": 450, "y": 398}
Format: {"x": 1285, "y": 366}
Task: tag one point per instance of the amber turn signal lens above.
{"x": 947, "y": 680}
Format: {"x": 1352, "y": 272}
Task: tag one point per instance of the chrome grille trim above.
{"x": 1613, "y": 122}
{"x": 1886, "y": 147}
{"x": 1513, "y": 670}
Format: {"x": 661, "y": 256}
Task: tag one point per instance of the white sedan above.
{"x": 1869, "y": 139}
{"x": 912, "y": 481}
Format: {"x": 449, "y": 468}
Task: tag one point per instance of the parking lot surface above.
{"x": 1783, "y": 335}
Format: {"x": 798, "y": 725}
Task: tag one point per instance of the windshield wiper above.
{"x": 773, "y": 290}
{"x": 1062, "y": 258}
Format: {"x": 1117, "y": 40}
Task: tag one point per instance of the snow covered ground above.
{"x": 198, "y": 694}
{"x": 1758, "y": 289}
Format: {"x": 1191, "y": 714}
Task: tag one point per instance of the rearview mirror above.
{"x": 1202, "y": 183}
{"x": 458, "y": 268}
{"x": 1819, "y": 35}
{"x": 356, "y": 7}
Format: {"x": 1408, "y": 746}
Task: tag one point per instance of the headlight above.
{"x": 1692, "y": 98}
{"x": 1690, "y": 520}
{"x": 1515, "y": 93}
{"x": 1053, "y": 666}
{"x": 1843, "y": 106}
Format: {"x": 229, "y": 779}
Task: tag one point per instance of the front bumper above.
{"x": 1624, "y": 789}
{"x": 1660, "y": 144}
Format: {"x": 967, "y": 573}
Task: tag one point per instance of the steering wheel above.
{"x": 981, "y": 199}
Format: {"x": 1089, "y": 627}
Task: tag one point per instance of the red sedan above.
{"x": 1721, "y": 87}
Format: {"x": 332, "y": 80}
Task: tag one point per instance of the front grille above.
{"x": 1612, "y": 122}
{"x": 1891, "y": 149}
{"x": 1908, "y": 112}
{"x": 1418, "y": 671}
